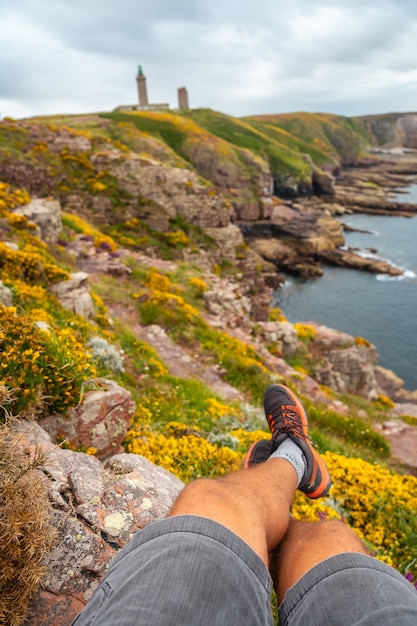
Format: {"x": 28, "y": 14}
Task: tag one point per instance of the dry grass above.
{"x": 26, "y": 531}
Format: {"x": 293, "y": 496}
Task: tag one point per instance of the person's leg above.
{"x": 305, "y": 545}
{"x": 253, "y": 504}
{"x": 324, "y": 576}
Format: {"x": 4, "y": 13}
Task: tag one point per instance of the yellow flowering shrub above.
{"x": 176, "y": 239}
{"x": 157, "y": 281}
{"x": 217, "y": 409}
{"x": 80, "y": 226}
{"x": 361, "y": 341}
{"x": 26, "y": 293}
{"x": 198, "y": 283}
{"x": 165, "y": 308}
{"x": 384, "y": 402}
{"x": 10, "y": 198}
{"x": 305, "y": 332}
{"x": 44, "y": 369}
{"x": 379, "y": 504}
{"x": 187, "y": 456}
{"x": 28, "y": 266}
{"x": 20, "y": 222}
{"x": 276, "y": 315}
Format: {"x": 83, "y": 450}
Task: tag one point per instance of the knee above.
{"x": 337, "y": 534}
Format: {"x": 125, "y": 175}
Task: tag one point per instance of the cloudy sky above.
{"x": 241, "y": 57}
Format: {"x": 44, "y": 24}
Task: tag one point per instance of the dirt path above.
{"x": 178, "y": 361}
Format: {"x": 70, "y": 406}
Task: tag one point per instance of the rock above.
{"x": 46, "y": 214}
{"x": 97, "y": 510}
{"x": 343, "y": 365}
{"x": 390, "y": 384}
{"x": 101, "y": 421}
{"x": 227, "y": 239}
{"x": 323, "y": 183}
{"x": 225, "y": 300}
{"x": 167, "y": 191}
{"x": 406, "y": 408}
{"x": 350, "y": 370}
{"x": 348, "y": 258}
{"x": 282, "y": 333}
{"x": 74, "y": 294}
{"x": 6, "y": 295}
{"x": 402, "y": 439}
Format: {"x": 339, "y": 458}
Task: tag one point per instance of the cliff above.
{"x": 137, "y": 335}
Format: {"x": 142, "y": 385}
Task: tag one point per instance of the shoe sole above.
{"x": 248, "y": 458}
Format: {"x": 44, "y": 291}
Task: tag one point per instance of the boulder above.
{"x": 74, "y": 294}
{"x": 282, "y": 333}
{"x": 101, "y": 421}
{"x": 46, "y": 214}
{"x": 97, "y": 510}
{"x": 6, "y": 295}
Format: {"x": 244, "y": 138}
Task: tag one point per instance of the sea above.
{"x": 381, "y": 308}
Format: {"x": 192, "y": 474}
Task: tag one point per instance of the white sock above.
{"x": 289, "y": 451}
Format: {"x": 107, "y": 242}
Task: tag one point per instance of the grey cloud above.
{"x": 264, "y": 56}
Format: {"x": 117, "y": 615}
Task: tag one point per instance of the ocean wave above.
{"x": 408, "y": 275}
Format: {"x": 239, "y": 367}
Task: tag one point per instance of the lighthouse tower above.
{"x": 143, "y": 94}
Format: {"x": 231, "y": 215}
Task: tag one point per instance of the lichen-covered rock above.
{"x": 97, "y": 510}
{"x": 74, "y": 294}
{"x": 101, "y": 421}
{"x": 46, "y": 214}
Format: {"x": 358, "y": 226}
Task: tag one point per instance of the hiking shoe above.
{"x": 287, "y": 418}
{"x": 258, "y": 452}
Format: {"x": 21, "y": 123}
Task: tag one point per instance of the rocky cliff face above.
{"x": 392, "y": 130}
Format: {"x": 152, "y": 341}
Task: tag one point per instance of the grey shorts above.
{"x": 189, "y": 570}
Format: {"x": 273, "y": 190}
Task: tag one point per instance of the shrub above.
{"x": 188, "y": 456}
{"x": 26, "y": 530}
{"x": 29, "y": 267}
{"x": 46, "y": 369}
{"x": 107, "y": 354}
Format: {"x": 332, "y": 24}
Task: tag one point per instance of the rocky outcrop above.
{"x": 46, "y": 214}
{"x": 323, "y": 183}
{"x": 391, "y": 130}
{"x": 283, "y": 334}
{"x": 100, "y": 422}
{"x": 292, "y": 241}
{"x": 92, "y": 259}
{"x": 97, "y": 510}
{"x": 344, "y": 364}
{"x": 74, "y": 294}
{"x": 350, "y": 259}
{"x": 166, "y": 192}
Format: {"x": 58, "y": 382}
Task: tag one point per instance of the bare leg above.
{"x": 305, "y": 545}
{"x": 254, "y": 504}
